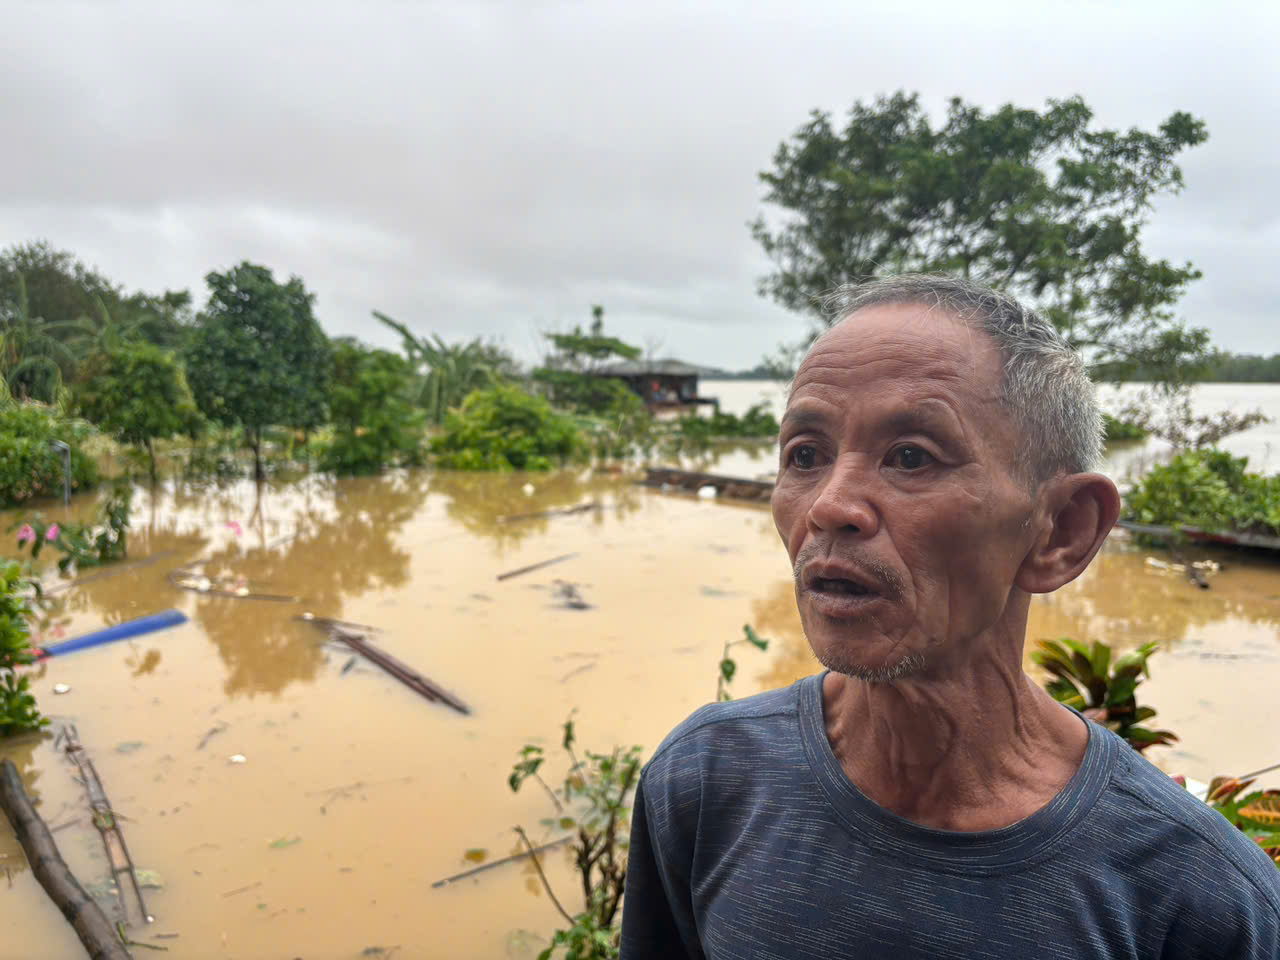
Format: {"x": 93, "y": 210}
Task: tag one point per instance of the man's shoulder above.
{"x": 730, "y": 725}
{"x": 1222, "y": 855}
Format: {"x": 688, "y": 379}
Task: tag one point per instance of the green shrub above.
{"x": 30, "y": 467}
{"x": 18, "y": 711}
{"x": 1210, "y": 490}
{"x": 375, "y": 425}
{"x": 1116, "y": 429}
{"x": 756, "y": 422}
{"x": 504, "y": 428}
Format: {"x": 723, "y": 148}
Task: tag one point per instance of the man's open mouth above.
{"x": 840, "y": 585}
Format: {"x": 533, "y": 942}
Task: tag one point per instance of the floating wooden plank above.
{"x": 733, "y": 488}
{"x": 535, "y": 566}
{"x": 122, "y": 873}
{"x": 410, "y": 677}
{"x": 47, "y": 866}
{"x": 1195, "y": 534}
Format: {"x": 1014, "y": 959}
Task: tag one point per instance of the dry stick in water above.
{"x": 546, "y": 886}
{"x": 534, "y": 566}
{"x": 107, "y": 822}
{"x": 500, "y": 863}
{"x": 48, "y": 867}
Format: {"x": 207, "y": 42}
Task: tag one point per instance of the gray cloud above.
{"x": 495, "y": 168}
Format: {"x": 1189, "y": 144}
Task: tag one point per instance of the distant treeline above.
{"x": 1225, "y": 367}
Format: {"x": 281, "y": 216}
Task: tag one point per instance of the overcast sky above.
{"x": 496, "y": 167}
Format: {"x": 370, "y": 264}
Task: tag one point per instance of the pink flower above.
{"x": 232, "y": 525}
{"x": 52, "y": 533}
{"x": 26, "y": 533}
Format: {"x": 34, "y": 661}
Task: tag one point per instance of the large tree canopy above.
{"x": 1035, "y": 203}
{"x": 257, "y": 356}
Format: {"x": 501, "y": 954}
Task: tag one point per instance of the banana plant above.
{"x": 1086, "y": 679}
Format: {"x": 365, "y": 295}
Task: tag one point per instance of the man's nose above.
{"x": 843, "y": 502}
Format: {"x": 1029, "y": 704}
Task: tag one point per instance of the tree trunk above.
{"x": 151, "y": 453}
{"x": 255, "y": 441}
{"x": 90, "y": 923}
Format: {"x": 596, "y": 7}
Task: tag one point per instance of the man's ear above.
{"x": 1082, "y": 509}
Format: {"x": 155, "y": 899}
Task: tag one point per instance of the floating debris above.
{"x": 105, "y": 819}
{"x": 535, "y": 566}
{"x": 237, "y": 758}
{"x": 570, "y": 595}
{"x": 498, "y": 863}
{"x": 62, "y": 688}
{"x": 284, "y": 842}
{"x": 562, "y": 512}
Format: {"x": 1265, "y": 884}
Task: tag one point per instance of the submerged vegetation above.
{"x": 1210, "y": 490}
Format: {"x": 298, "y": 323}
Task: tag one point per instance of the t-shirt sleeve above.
{"x": 657, "y": 910}
{"x": 1227, "y": 915}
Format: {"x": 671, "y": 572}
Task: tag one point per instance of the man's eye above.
{"x": 804, "y": 456}
{"x": 908, "y": 457}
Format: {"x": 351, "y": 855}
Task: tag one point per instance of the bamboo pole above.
{"x": 91, "y": 925}
{"x": 104, "y": 818}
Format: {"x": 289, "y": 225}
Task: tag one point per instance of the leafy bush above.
{"x": 504, "y": 428}
{"x": 756, "y": 422}
{"x": 594, "y": 799}
{"x": 85, "y": 544}
{"x": 1086, "y": 679}
{"x": 1255, "y": 814}
{"x": 30, "y": 466}
{"x": 1210, "y": 490}
{"x": 374, "y": 423}
{"x": 1117, "y": 429}
{"x": 18, "y": 711}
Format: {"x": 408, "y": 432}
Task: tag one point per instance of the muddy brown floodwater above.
{"x": 355, "y": 794}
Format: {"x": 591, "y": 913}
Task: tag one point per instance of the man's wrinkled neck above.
{"x": 972, "y": 744}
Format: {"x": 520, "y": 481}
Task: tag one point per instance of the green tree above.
{"x": 447, "y": 372}
{"x": 35, "y": 360}
{"x": 139, "y": 393}
{"x": 61, "y": 291}
{"x": 257, "y": 357}
{"x": 1035, "y": 203}
{"x": 569, "y": 372}
{"x": 375, "y": 422}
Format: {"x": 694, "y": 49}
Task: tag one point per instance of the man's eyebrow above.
{"x": 803, "y": 419}
{"x": 927, "y": 417}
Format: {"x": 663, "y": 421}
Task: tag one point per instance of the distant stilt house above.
{"x": 661, "y": 384}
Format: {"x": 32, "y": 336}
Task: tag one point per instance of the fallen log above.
{"x": 410, "y": 677}
{"x": 47, "y": 866}
{"x": 104, "y": 818}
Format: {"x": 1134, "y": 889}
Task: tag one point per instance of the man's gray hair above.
{"x": 1046, "y": 387}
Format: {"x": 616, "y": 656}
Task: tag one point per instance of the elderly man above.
{"x": 923, "y": 797}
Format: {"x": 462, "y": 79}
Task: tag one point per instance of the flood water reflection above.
{"x": 377, "y": 793}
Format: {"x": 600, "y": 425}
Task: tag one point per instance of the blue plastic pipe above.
{"x": 121, "y": 631}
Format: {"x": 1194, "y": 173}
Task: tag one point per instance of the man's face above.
{"x": 896, "y": 497}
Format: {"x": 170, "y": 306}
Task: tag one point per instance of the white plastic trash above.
{"x": 528, "y": 489}
{"x": 237, "y": 758}
{"x": 708, "y": 492}
{"x": 62, "y": 688}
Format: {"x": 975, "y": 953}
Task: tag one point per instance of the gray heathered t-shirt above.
{"x": 750, "y": 843}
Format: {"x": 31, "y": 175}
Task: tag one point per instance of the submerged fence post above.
{"x": 65, "y": 450}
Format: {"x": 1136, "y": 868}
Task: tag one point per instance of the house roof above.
{"x": 638, "y": 368}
